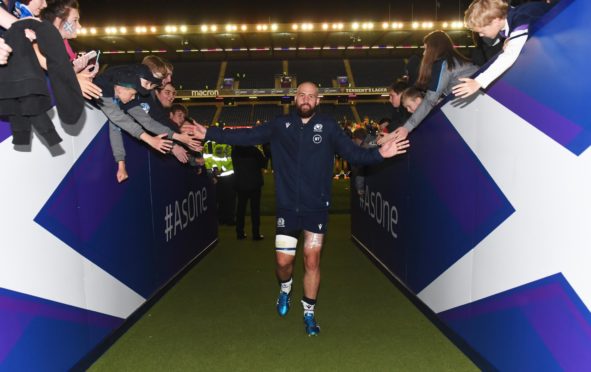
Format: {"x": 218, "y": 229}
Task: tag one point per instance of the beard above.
{"x": 305, "y": 111}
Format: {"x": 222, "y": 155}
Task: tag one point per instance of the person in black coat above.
{"x": 248, "y": 162}
{"x": 24, "y": 92}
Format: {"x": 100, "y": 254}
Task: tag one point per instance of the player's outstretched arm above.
{"x": 196, "y": 129}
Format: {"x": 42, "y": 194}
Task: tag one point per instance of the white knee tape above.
{"x": 286, "y": 244}
{"x": 315, "y": 241}
{"x": 285, "y": 241}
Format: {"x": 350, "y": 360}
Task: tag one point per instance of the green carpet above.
{"x": 221, "y": 317}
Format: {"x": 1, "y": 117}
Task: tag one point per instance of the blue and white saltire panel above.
{"x": 80, "y": 253}
{"x": 492, "y": 207}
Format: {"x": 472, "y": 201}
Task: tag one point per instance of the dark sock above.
{"x": 309, "y": 305}
{"x": 286, "y": 285}
{"x": 309, "y": 300}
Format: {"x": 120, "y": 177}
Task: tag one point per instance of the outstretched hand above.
{"x": 466, "y": 88}
{"x": 198, "y": 130}
{"x": 88, "y": 88}
{"x": 180, "y": 153}
{"x": 401, "y": 133}
{"x": 189, "y": 139}
{"x": 160, "y": 143}
{"x": 394, "y": 147}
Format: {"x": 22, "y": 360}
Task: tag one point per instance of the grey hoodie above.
{"x": 442, "y": 82}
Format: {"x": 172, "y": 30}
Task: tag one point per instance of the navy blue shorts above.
{"x": 291, "y": 223}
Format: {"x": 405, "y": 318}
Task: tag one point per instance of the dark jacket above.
{"x": 398, "y": 118}
{"x": 24, "y": 79}
{"x": 24, "y": 94}
{"x": 248, "y": 161}
{"x": 303, "y": 157}
{"x": 526, "y": 14}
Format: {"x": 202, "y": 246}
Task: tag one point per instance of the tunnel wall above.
{"x": 80, "y": 253}
{"x": 486, "y": 220}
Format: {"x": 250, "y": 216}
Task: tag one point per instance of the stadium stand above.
{"x": 264, "y": 113}
{"x": 376, "y": 72}
{"x": 254, "y": 74}
{"x": 325, "y": 108}
{"x": 321, "y": 72}
{"x": 202, "y": 114}
{"x": 236, "y": 115}
{"x": 343, "y": 113}
{"x": 196, "y": 75}
{"x": 261, "y": 74}
{"x": 374, "y": 111}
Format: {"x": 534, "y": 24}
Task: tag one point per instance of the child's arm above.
{"x": 506, "y": 59}
{"x": 439, "y": 85}
{"x": 120, "y": 118}
{"x": 126, "y": 122}
{"x": 116, "y": 140}
{"x": 118, "y": 149}
{"x": 511, "y": 50}
{"x": 121, "y": 171}
{"x": 156, "y": 127}
{"x": 429, "y": 101}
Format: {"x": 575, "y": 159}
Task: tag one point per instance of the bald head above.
{"x": 307, "y": 86}
{"x": 306, "y": 99}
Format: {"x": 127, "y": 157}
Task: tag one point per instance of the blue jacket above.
{"x": 526, "y": 14}
{"x": 303, "y": 157}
